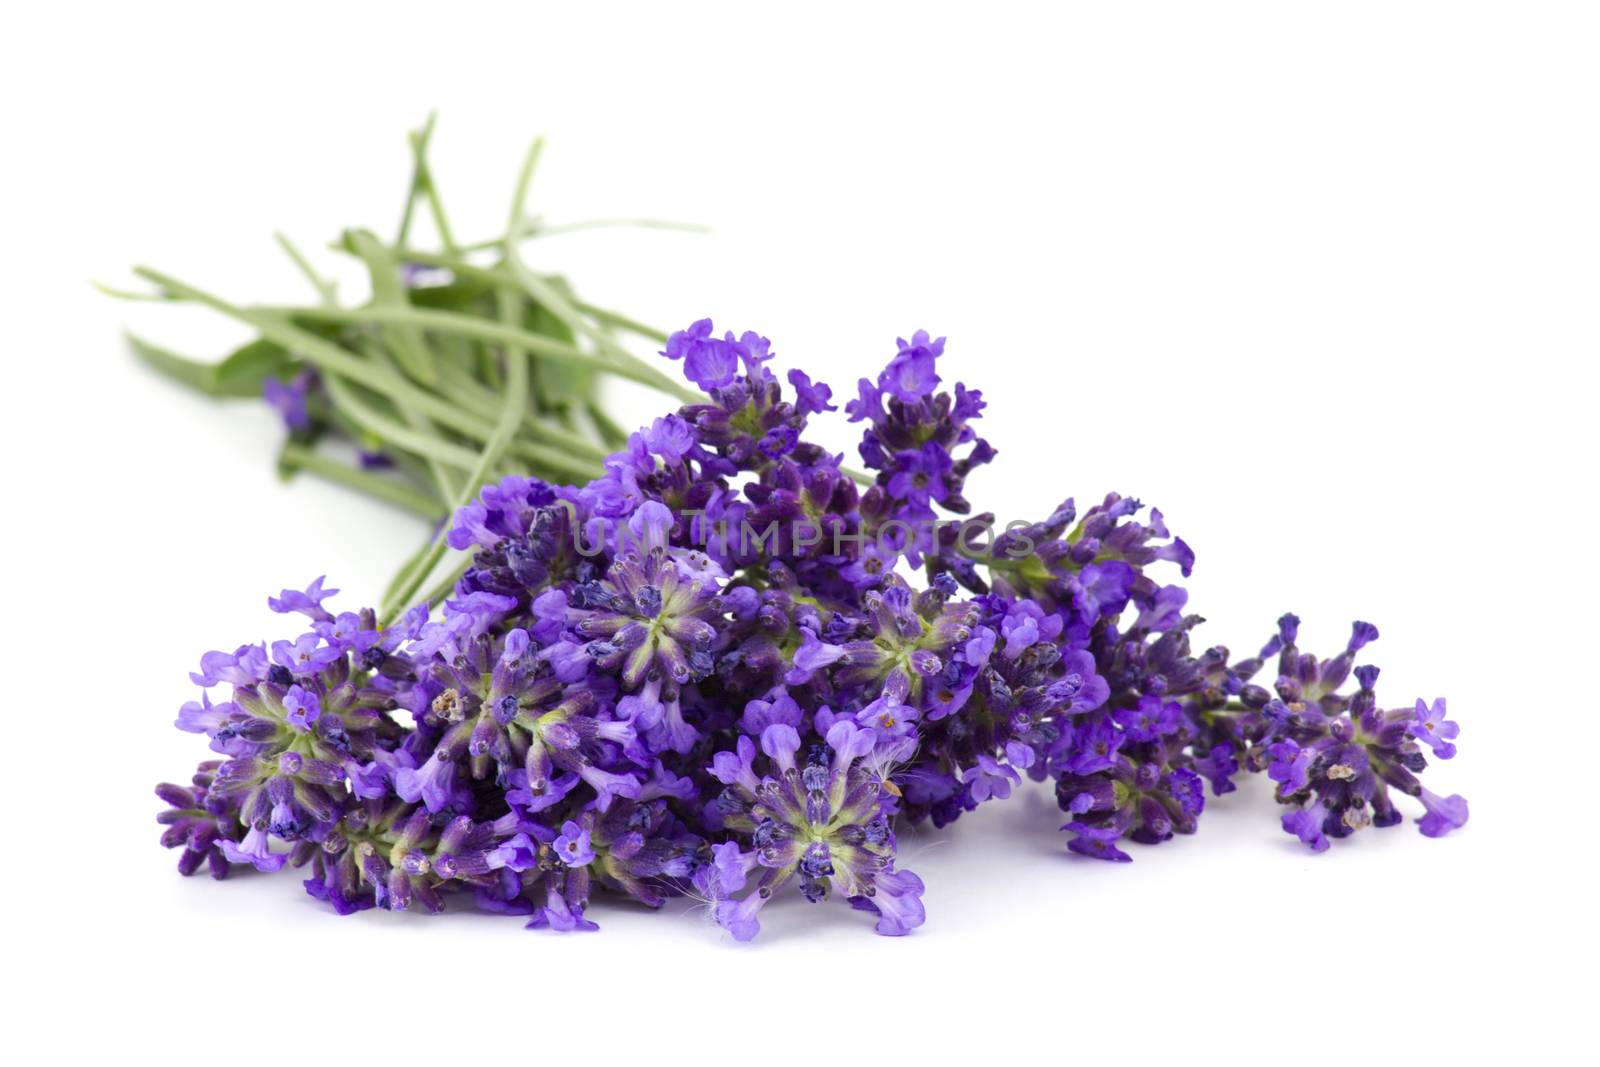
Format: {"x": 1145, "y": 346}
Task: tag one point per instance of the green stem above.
{"x": 546, "y": 294}
{"x": 469, "y": 393}
{"x": 298, "y": 457}
{"x": 549, "y": 433}
{"x": 419, "y": 150}
{"x": 537, "y": 228}
{"x": 442, "y": 478}
{"x": 388, "y": 291}
{"x": 569, "y": 311}
{"x": 386, "y": 429}
{"x": 128, "y": 294}
{"x": 621, "y": 322}
{"x": 613, "y": 434}
{"x": 510, "y": 416}
{"x": 553, "y": 299}
{"x": 326, "y": 290}
{"x": 857, "y": 476}
{"x": 430, "y": 190}
{"x": 405, "y": 590}
{"x": 405, "y": 568}
{"x": 445, "y": 584}
{"x": 557, "y": 459}
{"x": 450, "y": 322}
{"x": 329, "y": 356}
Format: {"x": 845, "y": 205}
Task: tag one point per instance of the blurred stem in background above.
{"x": 464, "y": 365}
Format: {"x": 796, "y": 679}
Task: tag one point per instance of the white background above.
{"x": 1317, "y": 280}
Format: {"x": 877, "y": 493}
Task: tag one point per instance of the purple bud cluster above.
{"x": 618, "y": 698}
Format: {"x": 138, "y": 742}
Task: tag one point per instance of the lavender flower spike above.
{"x": 628, "y": 695}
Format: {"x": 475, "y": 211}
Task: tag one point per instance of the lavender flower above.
{"x": 823, "y": 823}
{"x": 291, "y": 399}
{"x": 620, "y": 697}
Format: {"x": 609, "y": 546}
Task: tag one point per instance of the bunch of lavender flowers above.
{"x": 721, "y": 670}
